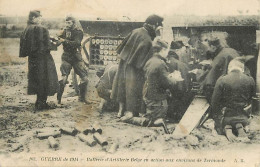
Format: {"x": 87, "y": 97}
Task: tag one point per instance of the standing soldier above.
{"x": 71, "y": 38}
{"x": 42, "y": 75}
{"x": 134, "y": 52}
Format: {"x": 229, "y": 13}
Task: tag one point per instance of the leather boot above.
{"x": 82, "y": 92}
{"x": 121, "y": 110}
{"x": 101, "y": 105}
{"x": 60, "y": 92}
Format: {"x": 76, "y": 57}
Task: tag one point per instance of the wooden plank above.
{"x": 192, "y": 117}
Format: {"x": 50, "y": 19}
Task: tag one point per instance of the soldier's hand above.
{"x": 61, "y": 40}
{"x": 175, "y": 77}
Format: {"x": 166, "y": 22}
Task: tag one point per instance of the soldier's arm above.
{"x": 164, "y": 79}
{"x": 47, "y": 38}
{"x": 61, "y": 34}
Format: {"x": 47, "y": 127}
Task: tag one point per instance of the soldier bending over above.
{"x": 104, "y": 87}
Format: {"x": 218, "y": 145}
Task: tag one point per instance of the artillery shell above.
{"x": 45, "y": 135}
{"x": 97, "y": 128}
{"x": 52, "y": 142}
{"x": 89, "y": 130}
{"x": 87, "y": 139}
{"x": 47, "y": 130}
{"x": 69, "y": 131}
{"x": 102, "y": 141}
{"x": 113, "y": 148}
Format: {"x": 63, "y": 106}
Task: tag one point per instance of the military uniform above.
{"x": 134, "y": 53}
{"x": 104, "y": 86}
{"x": 42, "y": 75}
{"x": 71, "y": 56}
{"x": 219, "y": 67}
{"x": 154, "y": 91}
{"x": 181, "y": 95}
{"x": 232, "y": 93}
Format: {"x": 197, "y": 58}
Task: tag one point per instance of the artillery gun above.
{"x": 101, "y": 38}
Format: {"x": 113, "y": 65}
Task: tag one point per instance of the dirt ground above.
{"x": 19, "y": 122}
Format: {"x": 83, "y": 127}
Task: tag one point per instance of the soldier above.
{"x": 180, "y": 94}
{"x": 71, "y": 38}
{"x": 157, "y": 82}
{"x": 181, "y": 50}
{"x": 134, "y": 52}
{"x": 231, "y": 100}
{"x": 42, "y": 75}
{"x": 104, "y": 87}
{"x": 174, "y": 63}
{"x": 223, "y": 54}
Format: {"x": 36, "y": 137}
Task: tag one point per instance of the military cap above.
{"x": 69, "y": 17}
{"x": 173, "y": 54}
{"x": 154, "y": 20}
{"x": 176, "y": 45}
{"x": 34, "y": 13}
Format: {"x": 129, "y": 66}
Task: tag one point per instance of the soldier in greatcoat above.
{"x": 158, "y": 80}
{"x": 134, "y": 52}
{"x": 42, "y": 75}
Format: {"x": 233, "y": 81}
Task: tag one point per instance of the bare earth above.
{"x": 18, "y": 125}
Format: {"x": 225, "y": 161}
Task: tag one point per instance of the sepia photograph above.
{"x": 130, "y": 83}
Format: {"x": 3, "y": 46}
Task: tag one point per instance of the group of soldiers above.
{"x": 153, "y": 80}
{"x": 36, "y": 43}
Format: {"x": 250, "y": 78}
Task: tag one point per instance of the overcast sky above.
{"x": 135, "y": 9}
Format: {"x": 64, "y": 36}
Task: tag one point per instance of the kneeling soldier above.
{"x": 231, "y": 101}
{"x": 104, "y": 87}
